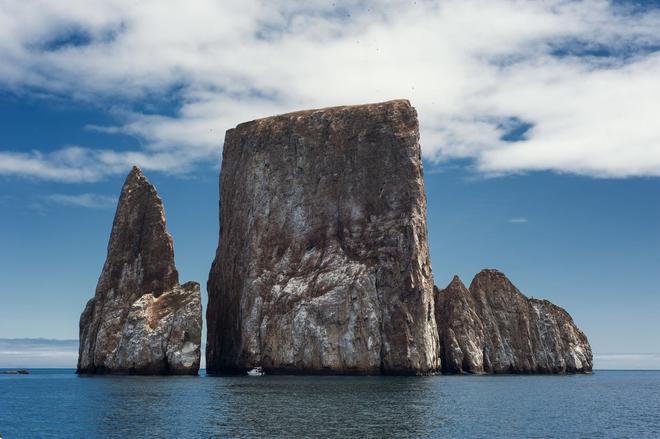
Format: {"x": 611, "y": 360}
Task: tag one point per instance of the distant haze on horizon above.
{"x": 538, "y": 124}
{"x": 44, "y": 353}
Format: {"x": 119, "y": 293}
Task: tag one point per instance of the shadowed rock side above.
{"x": 323, "y": 262}
{"x": 141, "y": 321}
{"x": 494, "y": 328}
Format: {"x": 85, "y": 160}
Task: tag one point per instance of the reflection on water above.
{"x": 59, "y": 404}
{"x": 320, "y": 406}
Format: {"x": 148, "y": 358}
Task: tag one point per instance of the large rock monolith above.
{"x": 141, "y": 321}
{"x": 323, "y": 262}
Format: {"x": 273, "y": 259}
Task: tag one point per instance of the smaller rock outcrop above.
{"x": 493, "y": 328}
{"x": 141, "y": 321}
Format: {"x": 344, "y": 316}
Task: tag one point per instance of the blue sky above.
{"x": 538, "y": 121}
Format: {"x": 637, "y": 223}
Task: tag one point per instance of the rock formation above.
{"x": 494, "y": 328}
{"x": 323, "y": 264}
{"x": 141, "y": 321}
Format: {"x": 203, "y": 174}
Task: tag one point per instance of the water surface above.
{"x": 57, "y": 403}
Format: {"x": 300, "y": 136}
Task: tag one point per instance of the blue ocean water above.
{"x": 57, "y": 403}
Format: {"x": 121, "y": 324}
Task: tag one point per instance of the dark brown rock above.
{"x": 494, "y": 328}
{"x": 140, "y": 319}
{"x": 323, "y": 265}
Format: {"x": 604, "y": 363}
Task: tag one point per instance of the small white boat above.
{"x": 256, "y": 372}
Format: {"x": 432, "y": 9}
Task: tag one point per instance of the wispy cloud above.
{"x": 90, "y": 201}
{"x": 518, "y": 220}
{"x": 627, "y": 361}
{"x": 513, "y": 86}
{"x": 42, "y": 352}
{"x": 32, "y": 353}
{"x": 78, "y": 164}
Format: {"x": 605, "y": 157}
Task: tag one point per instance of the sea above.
{"x": 56, "y": 403}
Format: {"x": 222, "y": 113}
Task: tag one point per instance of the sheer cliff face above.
{"x": 323, "y": 263}
{"x": 494, "y": 328}
{"x": 140, "y": 319}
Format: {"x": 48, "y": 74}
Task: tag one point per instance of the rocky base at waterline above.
{"x": 323, "y": 263}
{"x": 493, "y": 328}
{"x": 141, "y": 320}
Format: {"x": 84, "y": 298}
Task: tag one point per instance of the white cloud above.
{"x": 473, "y": 69}
{"x": 90, "y": 201}
{"x": 519, "y": 220}
{"x": 77, "y": 164}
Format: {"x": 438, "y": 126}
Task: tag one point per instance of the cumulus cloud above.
{"x": 514, "y": 86}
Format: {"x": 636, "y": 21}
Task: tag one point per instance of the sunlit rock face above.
{"x": 494, "y": 328}
{"x": 141, "y": 321}
{"x": 323, "y": 264}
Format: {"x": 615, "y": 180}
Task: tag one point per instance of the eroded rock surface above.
{"x": 141, "y": 320}
{"x": 323, "y": 264}
{"x": 494, "y": 328}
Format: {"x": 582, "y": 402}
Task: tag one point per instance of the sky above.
{"x": 539, "y": 134}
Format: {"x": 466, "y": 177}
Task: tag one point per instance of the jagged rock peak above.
{"x": 139, "y": 239}
{"x": 492, "y": 276}
{"x": 456, "y": 282}
{"x": 460, "y": 330}
{"x": 140, "y": 319}
{"x": 493, "y": 328}
{"x": 322, "y": 264}
{"x": 135, "y": 172}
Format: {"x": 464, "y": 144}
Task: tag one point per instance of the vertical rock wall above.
{"x": 323, "y": 263}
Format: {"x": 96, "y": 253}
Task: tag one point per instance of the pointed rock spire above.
{"x": 460, "y": 329}
{"x": 138, "y": 273}
{"x": 140, "y": 252}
